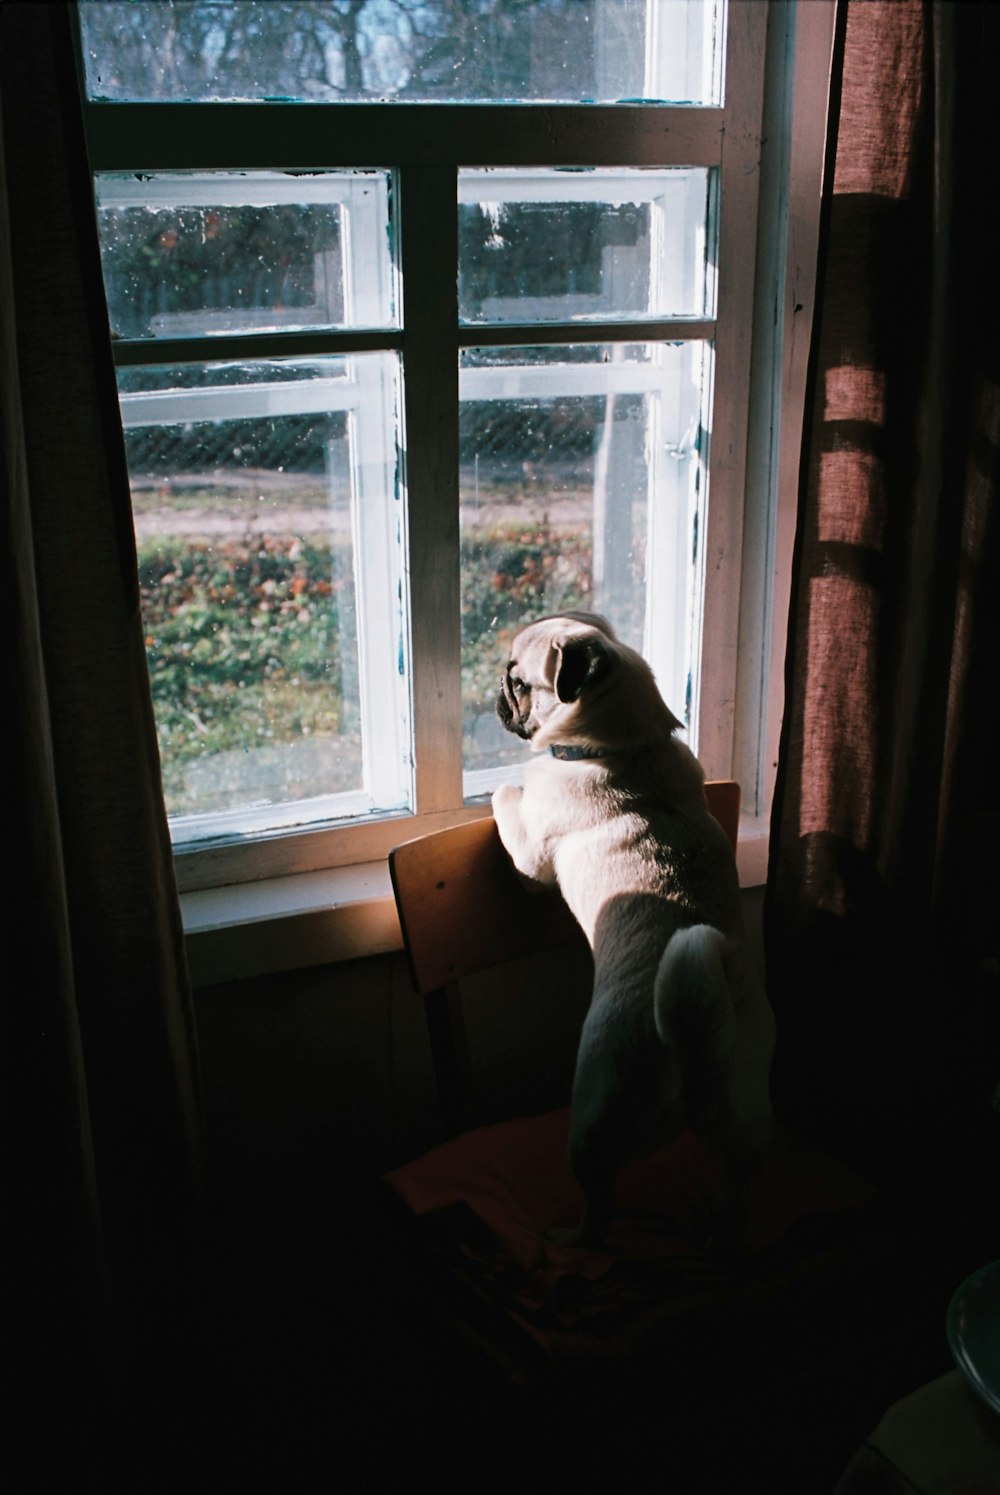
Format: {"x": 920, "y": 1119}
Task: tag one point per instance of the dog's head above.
{"x": 570, "y": 681}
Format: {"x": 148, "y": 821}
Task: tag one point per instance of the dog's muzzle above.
{"x": 507, "y": 707}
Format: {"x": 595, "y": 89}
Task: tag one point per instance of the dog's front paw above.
{"x": 506, "y": 798}
{"x": 528, "y": 853}
{"x": 507, "y": 814}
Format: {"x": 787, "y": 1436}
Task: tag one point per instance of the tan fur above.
{"x": 679, "y": 1031}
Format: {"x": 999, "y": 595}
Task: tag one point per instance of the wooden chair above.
{"x": 648, "y": 1315}
{"x": 463, "y": 908}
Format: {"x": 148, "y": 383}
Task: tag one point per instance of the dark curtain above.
{"x": 881, "y": 908}
{"x": 100, "y": 1127}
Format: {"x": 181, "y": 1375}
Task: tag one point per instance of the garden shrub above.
{"x": 251, "y": 640}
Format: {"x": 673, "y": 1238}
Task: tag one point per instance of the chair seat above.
{"x": 488, "y": 1196}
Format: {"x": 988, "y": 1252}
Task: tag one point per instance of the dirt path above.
{"x": 250, "y": 512}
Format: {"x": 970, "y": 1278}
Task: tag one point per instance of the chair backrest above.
{"x": 463, "y": 908}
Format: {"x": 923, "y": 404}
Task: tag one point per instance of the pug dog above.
{"x": 679, "y": 1032}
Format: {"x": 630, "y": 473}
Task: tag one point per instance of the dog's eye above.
{"x": 518, "y": 686}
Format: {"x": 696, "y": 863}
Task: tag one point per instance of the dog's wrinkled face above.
{"x": 553, "y": 662}
{"x": 569, "y": 681}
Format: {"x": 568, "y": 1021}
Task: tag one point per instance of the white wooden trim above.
{"x": 800, "y": 44}
{"x": 547, "y": 381}
{"x": 253, "y": 820}
{"x": 234, "y": 189}
{"x": 613, "y": 185}
{"x": 176, "y": 407}
{"x": 371, "y": 297}
{"x": 377, "y": 528}
{"x": 715, "y": 707}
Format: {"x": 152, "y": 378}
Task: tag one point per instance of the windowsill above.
{"x": 315, "y": 918}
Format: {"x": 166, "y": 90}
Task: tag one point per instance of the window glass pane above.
{"x": 202, "y": 253}
{"x": 574, "y": 51}
{"x": 582, "y": 482}
{"x": 264, "y": 505}
{"x": 538, "y": 246}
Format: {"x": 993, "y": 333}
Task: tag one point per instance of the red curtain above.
{"x": 880, "y": 915}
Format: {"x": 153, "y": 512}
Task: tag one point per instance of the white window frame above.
{"x": 670, "y": 629}
{"x": 777, "y": 78}
{"x": 367, "y": 394}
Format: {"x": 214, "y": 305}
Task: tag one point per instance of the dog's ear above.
{"x": 580, "y": 660}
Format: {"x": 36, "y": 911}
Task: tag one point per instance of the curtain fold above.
{"x": 101, "y": 1118}
{"x": 880, "y": 928}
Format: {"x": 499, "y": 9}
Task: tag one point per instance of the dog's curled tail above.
{"x": 695, "y": 1015}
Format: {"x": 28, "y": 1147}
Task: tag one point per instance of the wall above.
{"x": 330, "y": 1066}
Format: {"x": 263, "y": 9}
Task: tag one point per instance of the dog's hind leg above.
{"x": 712, "y": 1015}
{"x": 595, "y": 1222}
{"x": 712, "y": 1012}
{"x": 595, "y": 1168}
{"x": 613, "y": 1093}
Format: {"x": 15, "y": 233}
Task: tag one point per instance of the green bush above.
{"x": 245, "y": 645}
{"x": 251, "y": 641}
{"x": 512, "y": 574}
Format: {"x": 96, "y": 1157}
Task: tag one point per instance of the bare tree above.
{"x": 330, "y": 49}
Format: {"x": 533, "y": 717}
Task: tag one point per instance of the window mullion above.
{"x": 429, "y": 235}
{"x": 173, "y": 136}
{"x": 537, "y": 334}
{"x": 246, "y": 346}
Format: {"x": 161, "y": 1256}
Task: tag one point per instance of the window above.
{"x": 430, "y": 318}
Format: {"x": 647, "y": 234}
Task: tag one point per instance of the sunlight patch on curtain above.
{"x": 851, "y": 499}
{"x": 855, "y": 394}
{"x": 840, "y": 736}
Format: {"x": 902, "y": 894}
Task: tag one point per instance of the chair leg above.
{"x": 446, "y": 1026}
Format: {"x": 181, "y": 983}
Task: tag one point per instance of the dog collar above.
{"x": 570, "y": 754}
